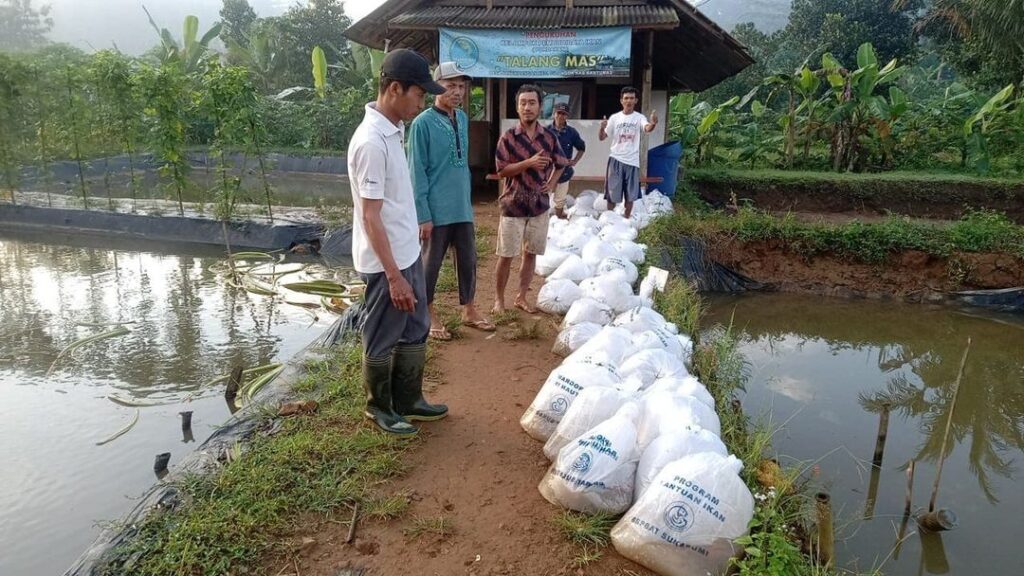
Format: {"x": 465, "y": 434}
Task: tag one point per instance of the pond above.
{"x": 187, "y": 327}
{"x": 821, "y": 370}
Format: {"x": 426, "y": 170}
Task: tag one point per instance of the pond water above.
{"x": 822, "y": 369}
{"x": 188, "y": 327}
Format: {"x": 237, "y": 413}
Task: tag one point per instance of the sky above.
{"x": 99, "y": 24}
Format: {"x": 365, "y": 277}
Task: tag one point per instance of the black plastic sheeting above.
{"x": 698, "y": 267}
{"x": 236, "y": 432}
{"x": 1005, "y": 300}
{"x": 67, "y": 170}
{"x": 241, "y": 234}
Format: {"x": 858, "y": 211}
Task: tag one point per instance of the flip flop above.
{"x": 525, "y": 307}
{"x": 440, "y": 334}
{"x": 483, "y": 325}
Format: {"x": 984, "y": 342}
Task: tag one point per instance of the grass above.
{"x": 440, "y": 526}
{"x": 446, "y": 278}
{"x": 977, "y": 231}
{"x": 681, "y": 301}
{"x": 505, "y": 317}
{"x": 585, "y": 529}
{"x": 319, "y": 464}
{"x": 906, "y": 178}
{"x": 525, "y": 330}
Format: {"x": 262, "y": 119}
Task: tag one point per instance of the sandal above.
{"x": 525, "y": 307}
{"x": 482, "y": 325}
{"x": 440, "y": 334}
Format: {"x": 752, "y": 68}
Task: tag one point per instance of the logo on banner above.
{"x": 464, "y": 53}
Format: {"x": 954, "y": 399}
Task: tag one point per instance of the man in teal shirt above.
{"x": 438, "y": 150}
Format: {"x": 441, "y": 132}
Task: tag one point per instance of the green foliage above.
{"x": 842, "y": 26}
{"x": 23, "y": 27}
{"x": 875, "y": 242}
{"x": 13, "y": 80}
{"x": 112, "y": 78}
{"x": 319, "y": 464}
{"x": 237, "y": 18}
{"x": 192, "y": 48}
{"x": 166, "y": 94}
{"x": 869, "y": 118}
{"x": 585, "y": 529}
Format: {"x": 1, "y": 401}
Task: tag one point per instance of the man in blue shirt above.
{"x": 569, "y": 139}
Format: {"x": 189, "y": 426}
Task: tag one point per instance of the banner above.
{"x": 559, "y": 53}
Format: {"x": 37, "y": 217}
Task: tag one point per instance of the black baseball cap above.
{"x": 408, "y": 66}
{"x": 562, "y": 107}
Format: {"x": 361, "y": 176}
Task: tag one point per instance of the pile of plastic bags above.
{"x": 627, "y": 428}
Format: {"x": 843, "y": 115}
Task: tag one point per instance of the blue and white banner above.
{"x": 559, "y": 53}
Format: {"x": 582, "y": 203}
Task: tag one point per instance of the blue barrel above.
{"x": 663, "y": 162}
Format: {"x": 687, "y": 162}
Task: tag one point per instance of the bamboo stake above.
{"x": 949, "y": 422}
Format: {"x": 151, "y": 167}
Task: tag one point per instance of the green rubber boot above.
{"x": 378, "y": 384}
{"x": 407, "y": 362}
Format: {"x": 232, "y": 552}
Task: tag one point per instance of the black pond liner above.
{"x": 1004, "y": 300}
{"x": 698, "y": 267}
{"x": 207, "y": 459}
{"x": 242, "y": 234}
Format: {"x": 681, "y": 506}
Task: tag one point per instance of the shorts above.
{"x": 561, "y": 191}
{"x": 621, "y": 180}
{"x": 518, "y": 234}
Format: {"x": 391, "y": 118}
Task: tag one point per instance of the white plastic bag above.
{"x": 601, "y": 205}
{"x": 550, "y": 260}
{"x": 670, "y": 447}
{"x": 664, "y": 412}
{"x": 556, "y": 296}
{"x": 610, "y": 218}
{"x": 573, "y": 269}
{"x": 685, "y": 522}
{"x": 596, "y": 472}
{"x": 611, "y": 345}
{"x": 573, "y": 239}
{"x": 592, "y": 406}
{"x": 616, "y": 263}
{"x": 597, "y": 250}
{"x": 685, "y": 386}
{"x": 659, "y": 338}
{"x": 630, "y": 250}
{"x": 613, "y": 232}
{"x": 641, "y": 319}
{"x": 572, "y": 337}
{"x": 558, "y": 393}
{"x": 611, "y": 290}
{"x": 650, "y": 364}
{"x": 588, "y": 310}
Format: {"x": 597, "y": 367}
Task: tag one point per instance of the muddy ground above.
{"x": 477, "y": 469}
{"x": 911, "y": 275}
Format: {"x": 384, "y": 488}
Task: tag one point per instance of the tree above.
{"x": 22, "y": 27}
{"x": 841, "y": 26}
{"x": 237, "y": 17}
{"x": 192, "y": 48}
{"x": 320, "y": 23}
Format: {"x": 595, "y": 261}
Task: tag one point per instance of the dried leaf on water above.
{"x": 119, "y": 331}
{"x": 250, "y": 389}
{"x": 122, "y": 431}
{"x": 335, "y": 304}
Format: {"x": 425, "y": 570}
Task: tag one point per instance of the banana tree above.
{"x": 698, "y": 126}
{"x": 987, "y": 121}
{"x": 801, "y": 89}
{"x": 855, "y": 98}
{"x": 191, "y": 49}
{"x": 259, "y": 53}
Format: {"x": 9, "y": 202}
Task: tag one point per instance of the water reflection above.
{"x": 830, "y": 368}
{"x": 186, "y": 327}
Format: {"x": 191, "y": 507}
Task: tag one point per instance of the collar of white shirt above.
{"x": 381, "y": 122}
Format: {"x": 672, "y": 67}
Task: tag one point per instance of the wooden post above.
{"x": 949, "y": 423}
{"x": 645, "y": 95}
{"x": 876, "y": 462}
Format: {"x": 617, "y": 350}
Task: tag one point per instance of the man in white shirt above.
{"x": 622, "y": 178}
{"x": 386, "y": 249}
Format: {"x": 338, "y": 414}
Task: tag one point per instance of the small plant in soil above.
{"x": 585, "y": 529}
{"x": 387, "y": 507}
{"x": 525, "y": 331}
{"x": 440, "y": 526}
{"x": 505, "y": 317}
{"x": 165, "y": 95}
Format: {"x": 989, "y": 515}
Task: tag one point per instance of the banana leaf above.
{"x": 122, "y": 431}
{"x": 119, "y": 331}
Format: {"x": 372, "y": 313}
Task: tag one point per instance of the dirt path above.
{"x": 476, "y": 469}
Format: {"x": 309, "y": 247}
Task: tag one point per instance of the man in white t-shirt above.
{"x": 386, "y": 249}
{"x": 622, "y": 178}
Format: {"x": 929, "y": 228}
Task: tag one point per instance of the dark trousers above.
{"x": 385, "y": 326}
{"x": 461, "y": 237}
